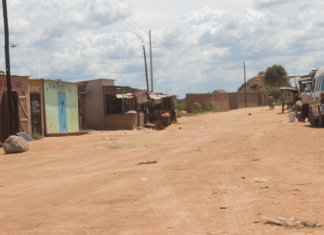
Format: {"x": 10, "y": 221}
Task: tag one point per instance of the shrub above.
{"x": 196, "y": 108}
{"x": 275, "y": 93}
{"x": 211, "y": 105}
{"x": 255, "y": 86}
{"x": 36, "y": 136}
{"x": 260, "y": 73}
{"x": 181, "y": 105}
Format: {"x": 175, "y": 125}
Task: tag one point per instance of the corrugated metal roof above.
{"x": 126, "y": 96}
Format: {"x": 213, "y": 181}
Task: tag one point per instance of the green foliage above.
{"x": 275, "y": 93}
{"x": 275, "y": 75}
{"x": 181, "y": 105}
{"x": 196, "y": 108}
{"x": 260, "y": 73}
{"x": 255, "y": 86}
{"x": 211, "y": 105}
{"x": 36, "y": 136}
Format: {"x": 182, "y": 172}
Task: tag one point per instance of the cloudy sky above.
{"x": 199, "y": 46}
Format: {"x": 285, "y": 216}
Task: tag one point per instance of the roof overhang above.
{"x": 293, "y": 90}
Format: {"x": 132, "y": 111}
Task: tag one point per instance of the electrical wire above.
{"x": 114, "y": 18}
{"x": 121, "y": 17}
{"x": 128, "y": 15}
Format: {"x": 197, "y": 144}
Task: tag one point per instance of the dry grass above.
{"x": 123, "y": 146}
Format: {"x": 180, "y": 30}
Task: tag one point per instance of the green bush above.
{"x": 196, "y": 108}
{"x": 255, "y": 86}
{"x": 275, "y": 93}
{"x": 260, "y": 73}
{"x": 211, "y": 105}
{"x": 181, "y": 105}
{"x": 36, "y": 136}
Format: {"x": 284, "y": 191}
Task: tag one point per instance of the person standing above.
{"x": 283, "y": 101}
{"x": 270, "y": 101}
{"x": 305, "y": 96}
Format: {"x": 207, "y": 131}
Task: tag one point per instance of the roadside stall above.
{"x": 305, "y": 83}
{"x": 160, "y": 109}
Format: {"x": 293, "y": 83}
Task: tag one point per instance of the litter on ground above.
{"x": 291, "y": 222}
{"x": 148, "y": 162}
{"x": 257, "y": 180}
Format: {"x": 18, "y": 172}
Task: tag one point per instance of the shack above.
{"x": 158, "y": 110}
{"x": 21, "y": 104}
{"x": 61, "y": 107}
{"x": 106, "y": 106}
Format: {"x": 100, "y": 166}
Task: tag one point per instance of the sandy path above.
{"x": 79, "y": 185}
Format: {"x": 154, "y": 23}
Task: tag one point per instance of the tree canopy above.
{"x": 275, "y": 74}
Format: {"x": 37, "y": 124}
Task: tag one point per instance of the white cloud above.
{"x": 203, "y": 51}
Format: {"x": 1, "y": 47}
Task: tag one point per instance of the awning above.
{"x": 298, "y": 76}
{"x": 293, "y": 90}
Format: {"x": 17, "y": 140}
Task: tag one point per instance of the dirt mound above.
{"x": 219, "y": 91}
{"x": 257, "y": 84}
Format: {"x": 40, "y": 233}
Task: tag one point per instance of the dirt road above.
{"x": 92, "y": 185}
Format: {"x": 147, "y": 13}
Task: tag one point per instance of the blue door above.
{"x": 62, "y": 111}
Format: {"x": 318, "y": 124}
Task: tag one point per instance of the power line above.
{"x": 121, "y": 17}
{"x": 114, "y": 18}
{"x": 128, "y": 15}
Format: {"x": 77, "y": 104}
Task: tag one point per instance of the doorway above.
{"x": 62, "y": 111}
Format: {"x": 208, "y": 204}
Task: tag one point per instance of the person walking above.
{"x": 283, "y": 101}
{"x": 270, "y": 101}
{"x": 305, "y": 96}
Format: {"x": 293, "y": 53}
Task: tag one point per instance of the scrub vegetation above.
{"x": 36, "y": 136}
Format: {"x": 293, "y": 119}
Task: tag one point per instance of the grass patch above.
{"x": 36, "y": 136}
{"x": 122, "y": 146}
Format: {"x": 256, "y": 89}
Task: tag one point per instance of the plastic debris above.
{"x": 144, "y": 179}
{"x": 257, "y": 180}
{"x": 291, "y": 222}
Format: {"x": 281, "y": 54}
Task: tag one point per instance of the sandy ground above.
{"x": 91, "y": 185}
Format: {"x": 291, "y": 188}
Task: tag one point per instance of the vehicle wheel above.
{"x": 313, "y": 122}
{"x": 321, "y": 120}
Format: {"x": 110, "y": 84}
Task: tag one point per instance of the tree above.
{"x": 275, "y": 75}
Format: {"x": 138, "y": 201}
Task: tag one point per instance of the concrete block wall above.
{"x": 222, "y": 100}
{"x": 252, "y": 100}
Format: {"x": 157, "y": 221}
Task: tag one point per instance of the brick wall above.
{"x": 222, "y": 100}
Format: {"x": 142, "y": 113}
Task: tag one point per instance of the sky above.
{"x": 198, "y": 46}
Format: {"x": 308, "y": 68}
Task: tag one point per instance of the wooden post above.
{"x": 147, "y": 83}
{"x": 133, "y": 101}
{"x": 123, "y": 102}
{"x": 151, "y": 62}
{"x": 245, "y": 85}
{"x": 8, "y": 75}
{"x": 162, "y": 105}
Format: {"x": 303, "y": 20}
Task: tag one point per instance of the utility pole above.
{"x": 151, "y": 63}
{"x": 245, "y": 85}
{"x": 9, "y": 91}
{"x": 148, "y": 88}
